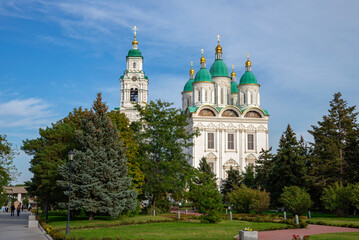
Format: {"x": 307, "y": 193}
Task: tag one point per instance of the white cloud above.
{"x": 30, "y": 113}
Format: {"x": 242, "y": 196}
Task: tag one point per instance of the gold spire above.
{"x": 248, "y": 63}
{"x": 233, "y": 74}
{"x": 134, "y": 30}
{"x": 218, "y": 48}
{"x": 191, "y": 72}
{"x": 203, "y": 60}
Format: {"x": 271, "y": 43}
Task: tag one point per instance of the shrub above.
{"x": 338, "y": 199}
{"x": 355, "y": 195}
{"x": 260, "y": 201}
{"x": 296, "y": 200}
{"x": 241, "y": 198}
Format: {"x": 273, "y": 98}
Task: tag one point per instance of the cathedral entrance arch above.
{"x": 211, "y": 160}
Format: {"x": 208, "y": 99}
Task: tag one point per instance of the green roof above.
{"x": 192, "y": 109}
{"x": 146, "y": 77}
{"x": 248, "y": 78}
{"x": 134, "y": 53}
{"x": 203, "y": 76}
{"x": 219, "y": 69}
{"x": 234, "y": 88}
{"x": 121, "y": 77}
{"x": 188, "y": 86}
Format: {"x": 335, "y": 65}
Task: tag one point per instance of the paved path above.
{"x": 310, "y": 230}
{"x": 15, "y": 228}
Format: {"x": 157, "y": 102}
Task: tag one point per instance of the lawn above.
{"x": 336, "y": 236}
{"x": 174, "y": 230}
{"x": 336, "y": 221}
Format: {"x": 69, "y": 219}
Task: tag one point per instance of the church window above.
{"x": 244, "y": 98}
{"x": 134, "y": 95}
{"x": 229, "y": 113}
{"x": 230, "y": 137}
{"x": 199, "y": 95}
{"x": 222, "y": 96}
{"x": 187, "y": 102}
{"x": 134, "y": 65}
{"x": 205, "y": 96}
{"x": 250, "y": 141}
{"x": 206, "y": 113}
{"x": 252, "y": 114}
{"x": 210, "y": 140}
{"x": 211, "y": 164}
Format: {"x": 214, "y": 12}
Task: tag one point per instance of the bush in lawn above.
{"x": 338, "y": 199}
{"x": 260, "y": 201}
{"x": 296, "y": 200}
{"x": 355, "y": 195}
{"x": 241, "y": 198}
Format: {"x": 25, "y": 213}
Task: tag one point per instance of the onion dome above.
{"x": 134, "y": 41}
{"x": 134, "y": 53}
{"x": 233, "y": 74}
{"x": 234, "y": 88}
{"x": 219, "y": 69}
{"x": 248, "y": 77}
{"x": 203, "y": 75}
{"x": 191, "y": 71}
{"x": 202, "y": 60}
{"x": 188, "y": 87}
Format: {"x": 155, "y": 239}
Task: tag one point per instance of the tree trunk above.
{"x": 91, "y": 216}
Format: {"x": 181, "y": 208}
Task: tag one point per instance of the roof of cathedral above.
{"x": 234, "y": 88}
{"x": 188, "y": 87}
{"x": 134, "y": 53}
{"x": 219, "y": 69}
{"x": 248, "y": 78}
{"x": 203, "y": 75}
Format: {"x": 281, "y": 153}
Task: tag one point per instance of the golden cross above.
{"x": 232, "y": 67}
{"x": 218, "y": 37}
{"x": 191, "y": 63}
{"x": 248, "y": 56}
{"x": 135, "y": 29}
{"x": 202, "y": 51}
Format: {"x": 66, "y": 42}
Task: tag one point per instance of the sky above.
{"x": 57, "y": 55}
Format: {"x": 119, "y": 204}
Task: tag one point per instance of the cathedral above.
{"x": 233, "y": 127}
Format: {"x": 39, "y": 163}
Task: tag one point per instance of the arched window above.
{"x": 134, "y": 65}
{"x": 222, "y": 96}
{"x": 205, "y": 96}
{"x": 134, "y": 95}
{"x": 187, "y": 102}
{"x": 199, "y": 95}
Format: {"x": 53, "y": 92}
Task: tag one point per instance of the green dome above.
{"x": 134, "y": 53}
{"x": 203, "y": 76}
{"x": 234, "y": 88}
{"x": 219, "y": 69}
{"x": 188, "y": 87}
{"x": 248, "y": 78}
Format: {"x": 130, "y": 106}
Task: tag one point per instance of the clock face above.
{"x": 134, "y": 78}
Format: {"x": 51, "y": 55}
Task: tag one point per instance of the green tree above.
{"x": 25, "y": 201}
{"x": 338, "y": 198}
{"x": 163, "y": 137}
{"x": 204, "y": 194}
{"x": 127, "y": 136}
{"x": 248, "y": 177}
{"x": 8, "y": 170}
{"x": 263, "y": 169}
{"x": 260, "y": 201}
{"x": 241, "y": 198}
{"x": 100, "y": 184}
{"x": 289, "y": 165}
{"x": 233, "y": 179}
{"x": 296, "y": 200}
{"x": 335, "y": 155}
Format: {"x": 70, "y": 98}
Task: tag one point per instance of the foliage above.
{"x": 8, "y": 170}
{"x": 100, "y": 183}
{"x": 338, "y": 198}
{"x": 296, "y": 200}
{"x": 233, "y": 179}
{"x": 335, "y": 155}
{"x": 263, "y": 168}
{"x": 260, "y": 201}
{"x": 127, "y": 136}
{"x": 248, "y": 177}
{"x": 25, "y": 201}
{"x": 355, "y": 196}
{"x": 162, "y": 139}
{"x": 289, "y": 165}
{"x": 204, "y": 194}
{"x": 241, "y": 198}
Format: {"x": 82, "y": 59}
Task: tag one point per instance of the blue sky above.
{"x": 56, "y": 55}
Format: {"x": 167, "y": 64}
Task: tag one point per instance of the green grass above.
{"x": 174, "y": 230}
{"x": 336, "y": 236}
{"x": 59, "y": 221}
{"x": 337, "y": 221}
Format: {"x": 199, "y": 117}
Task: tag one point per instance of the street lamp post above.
{"x": 71, "y": 157}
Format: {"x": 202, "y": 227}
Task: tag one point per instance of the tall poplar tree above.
{"x": 335, "y": 153}
{"x": 100, "y": 184}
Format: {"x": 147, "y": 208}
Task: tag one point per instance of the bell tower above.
{"x": 134, "y": 82}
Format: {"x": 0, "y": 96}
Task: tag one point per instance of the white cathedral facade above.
{"x": 233, "y": 126}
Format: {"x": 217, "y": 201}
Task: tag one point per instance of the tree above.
{"x": 233, "y": 179}
{"x": 241, "y": 198}
{"x": 289, "y": 165}
{"x": 335, "y": 156}
{"x": 100, "y": 184}
{"x": 248, "y": 177}
{"x": 260, "y": 201}
{"x": 164, "y": 136}
{"x": 204, "y": 194}
{"x": 8, "y": 171}
{"x": 296, "y": 200}
{"x": 127, "y": 136}
{"x": 338, "y": 198}
{"x": 263, "y": 169}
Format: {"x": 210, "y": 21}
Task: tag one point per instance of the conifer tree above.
{"x": 248, "y": 177}
{"x": 263, "y": 169}
{"x": 100, "y": 184}
{"x": 204, "y": 193}
{"x": 233, "y": 179}
{"x": 289, "y": 165}
{"x": 335, "y": 148}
